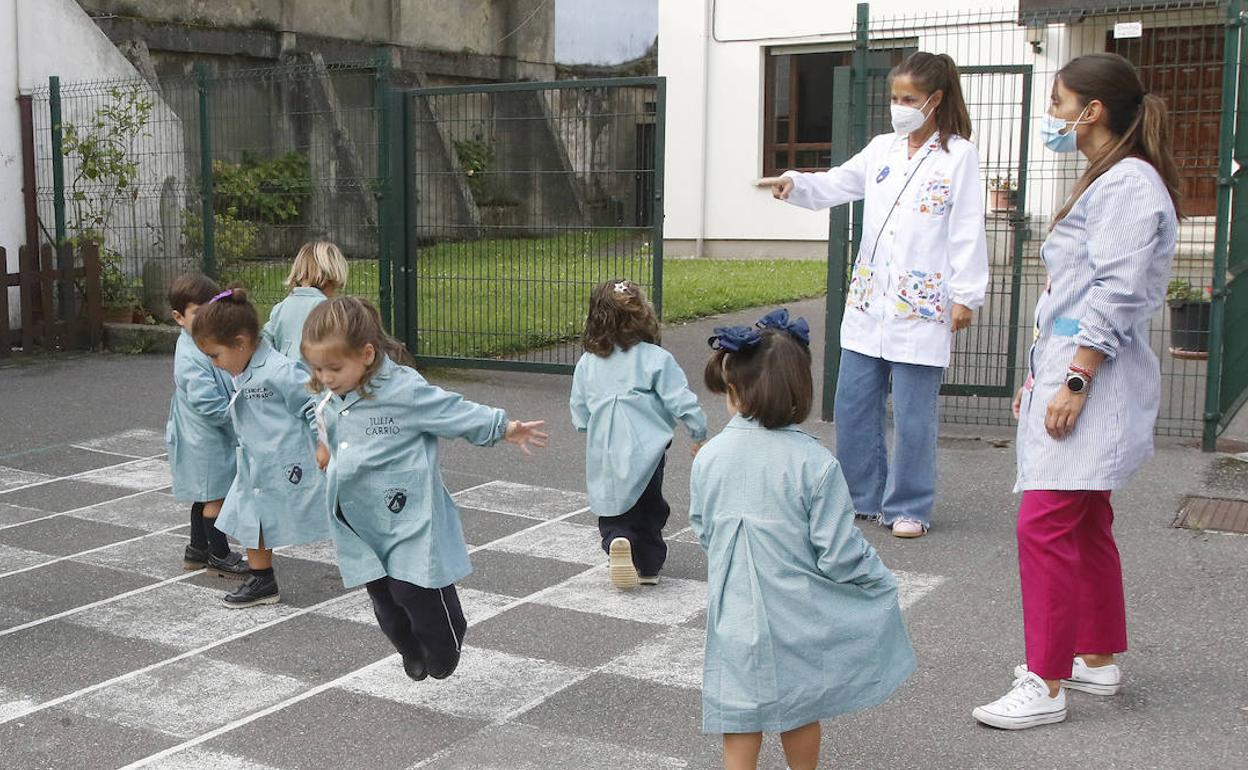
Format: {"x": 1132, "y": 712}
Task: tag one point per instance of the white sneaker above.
{"x": 1101, "y": 680}
{"x": 1027, "y": 704}
{"x": 620, "y": 564}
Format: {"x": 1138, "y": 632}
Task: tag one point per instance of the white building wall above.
{"x": 715, "y": 113}
{"x": 38, "y": 39}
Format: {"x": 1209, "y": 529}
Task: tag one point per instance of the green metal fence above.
{"x": 516, "y": 200}
{"x": 1008, "y": 59}
{"x": 478, "y": 217}
{"x": 227, "y": 172}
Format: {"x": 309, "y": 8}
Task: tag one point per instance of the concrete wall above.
{"x": 39, "y": 39}
{"x": 477, "y": 26}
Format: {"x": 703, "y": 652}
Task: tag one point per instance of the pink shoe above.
{"x": 908, "y": 528}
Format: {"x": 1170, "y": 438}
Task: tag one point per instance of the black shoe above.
{"x": 232, "y": 565}
{"x": 195, "y": 557}
{"x": 414, "y": 668}
{"x": 448, "y": 668}
{"x": 254, "y": 590}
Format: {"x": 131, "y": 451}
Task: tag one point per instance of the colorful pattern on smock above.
{"x": 629, "y": 403}
{"x": 921, "y": 295}
{"x": 935, "y": 196}
{"x": 199, "y": 434}
{"x": 802, "y": 616}
{"x": 279, "y": 492}
{"x": 390, "y": 511}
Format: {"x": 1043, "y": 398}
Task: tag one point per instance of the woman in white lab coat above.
{"x": 920, "y": 273}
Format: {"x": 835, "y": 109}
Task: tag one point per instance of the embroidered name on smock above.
{"x": 260, "y": 392}
{"x": 381, "y": 426}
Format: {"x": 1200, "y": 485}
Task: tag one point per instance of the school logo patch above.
{"x": 396, "y": 499}
{"x": 294, "y": 474}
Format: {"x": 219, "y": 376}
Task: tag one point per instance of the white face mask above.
{"x": 908, "y": 119}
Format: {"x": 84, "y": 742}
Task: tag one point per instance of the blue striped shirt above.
{"x": 1108, "y": 260}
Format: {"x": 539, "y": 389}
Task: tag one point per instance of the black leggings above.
{"x": 422, "y": 623}
{"x": 642, "y": 525}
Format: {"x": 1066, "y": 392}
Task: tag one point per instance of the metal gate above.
{"x": 1008, "y": 59}
{"x": 506, "y": 203}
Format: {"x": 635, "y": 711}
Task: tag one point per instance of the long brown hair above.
{"x": 1137, "y": 118}
{"x": 933, "y": 72}
{"x": 619, "y": 316}
{"x": 770, "y": 382}
{"x": 353, "y": 323}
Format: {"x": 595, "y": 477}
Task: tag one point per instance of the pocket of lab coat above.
{"x": 920, "y": 295}
{"x": 935, "y": 196}
{"x": 861, "y": 284}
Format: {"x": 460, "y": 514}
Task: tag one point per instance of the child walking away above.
{"x": 319, "y": 271}
{"x": 628, "y": 394}
{"x": 802, "y": 620}
{"x": 395, "y": 525}
{"x": 278, "y": 497}
{"x": 199, "y": 435}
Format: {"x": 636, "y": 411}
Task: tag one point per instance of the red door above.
{"x": 1183, "y": 65}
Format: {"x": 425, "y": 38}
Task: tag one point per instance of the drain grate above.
{"x": 1213, "y": 513}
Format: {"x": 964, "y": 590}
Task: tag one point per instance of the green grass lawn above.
{"x": 492, "y": 297}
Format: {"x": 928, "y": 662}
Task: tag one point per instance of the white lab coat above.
{"x": 914, "y": 265}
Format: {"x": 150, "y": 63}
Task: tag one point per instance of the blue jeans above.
{"x": 861, "y": 395}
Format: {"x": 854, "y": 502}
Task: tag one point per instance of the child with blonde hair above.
{"x": 320, "y": 271}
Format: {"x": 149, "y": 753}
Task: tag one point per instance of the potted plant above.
{"x": 1004, "y": 192}
{"x": 1189, "y": 317}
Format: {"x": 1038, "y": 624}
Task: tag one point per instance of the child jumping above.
{"x": 199, "y": 435}
{"x": 396, "y": 528}
{"x": 319, "y": 271}
{"x": 628, "y": 394}
{"x": 802, "y": 621}
{"x": 278, "y": 497}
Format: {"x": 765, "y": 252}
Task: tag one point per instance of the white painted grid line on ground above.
{"x": 104, "y": 547}
{"x": 232, "y": 637}
{"x": 79, "y": 474}
{"x": 83, "y": 508}
{"x": 101, "y": 602}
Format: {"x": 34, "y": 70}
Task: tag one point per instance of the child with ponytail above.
{"x": 278, "y": 496}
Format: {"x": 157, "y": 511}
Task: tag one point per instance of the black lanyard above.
{"x": 913, "y": 173}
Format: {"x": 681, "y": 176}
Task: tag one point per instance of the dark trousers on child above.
{"x": 422, "y": 623}
{"x": 642, "y": 525}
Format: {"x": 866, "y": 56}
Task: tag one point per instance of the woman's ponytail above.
{"x": 1154, "y": 143}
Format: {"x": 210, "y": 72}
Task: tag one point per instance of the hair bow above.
{"x": 222, "y": 295}
{"x": 798, "y": 328}
{"x": 734, "y": 338}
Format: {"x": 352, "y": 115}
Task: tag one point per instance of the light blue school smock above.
{"x": 278, "y": 492}
{"x": 198, "y": 433}
{"x": 802, "y": 616}
{"x": 629, "y": 403}
{"x": 391, "y": 513}
{"x": 285, "y": 327}
{"x": 1108, "y": 260}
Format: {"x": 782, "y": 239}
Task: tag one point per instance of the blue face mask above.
{"x": 1051, "y": 131}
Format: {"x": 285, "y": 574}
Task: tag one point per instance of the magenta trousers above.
{"x": 1071, "y": 579}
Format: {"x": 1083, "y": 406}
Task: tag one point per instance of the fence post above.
{"x": 205, "y": 173}
{"x": 1226, "y": 184}
{"x": 58, "y": 157}
{"x": 660, "y": 143}
{"x": 386, "y": 218}
{"x": 95, "y": 309}
{"x": 838, "y": 249}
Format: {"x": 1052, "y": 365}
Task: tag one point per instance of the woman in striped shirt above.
{"x": 1087, "y": 413}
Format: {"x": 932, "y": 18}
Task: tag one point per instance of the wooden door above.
{"x": 1183, "y": 65}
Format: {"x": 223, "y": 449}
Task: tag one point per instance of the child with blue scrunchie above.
{"x": 802, "y": 616}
